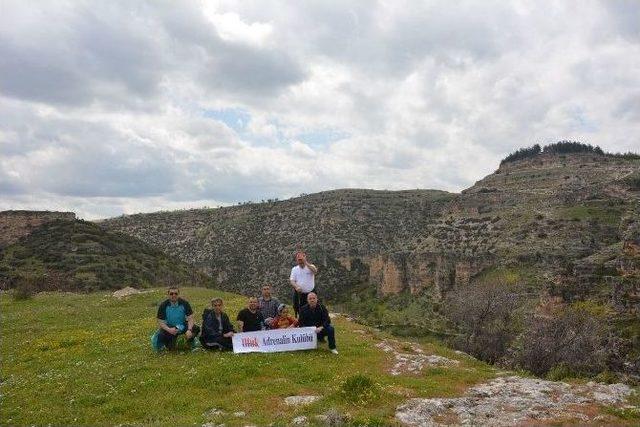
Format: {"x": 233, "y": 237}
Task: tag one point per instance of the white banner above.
{"x": 273, "y": 340}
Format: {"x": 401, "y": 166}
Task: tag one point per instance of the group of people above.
{"x": 175, "y": 315}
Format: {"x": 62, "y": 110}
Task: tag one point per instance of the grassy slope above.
{"x": 90, "y": 258}
{"x": 86, "y": 359}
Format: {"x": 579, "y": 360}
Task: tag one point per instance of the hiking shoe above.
{"x": 334, "y": 351}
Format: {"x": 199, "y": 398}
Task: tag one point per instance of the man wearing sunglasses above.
{"x": 175, "y": 317}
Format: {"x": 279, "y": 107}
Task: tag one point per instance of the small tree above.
{"x": 574, "y": 337}
{"x": 487, "y": 317}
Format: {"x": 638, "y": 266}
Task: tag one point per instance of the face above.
{"x": 217, "y": 307}
{"x": 312, "y": 299}
{"x": 266, "y": 292}
{"x": 301, "y": 262}
{"x": 253, "y": 304}
{"x": 173, "y": 295}
{"x": 284, "y": 312}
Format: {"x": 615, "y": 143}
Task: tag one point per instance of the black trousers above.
{"x": 217, "y": 342}
{"x": 299, "y": 299}
{"x": 169, "y": 340}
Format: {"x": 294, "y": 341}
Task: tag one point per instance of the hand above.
{"x": 173, "y": 331}
{"x": 189, "y": 334}
{"x": 318, "y": 329}
{"x": 298, "y": 288}
{"x": 228, "y": 335}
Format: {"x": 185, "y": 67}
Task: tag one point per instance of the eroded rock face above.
{"x": 545, "y": 213}
{"x": 510, "y": 401}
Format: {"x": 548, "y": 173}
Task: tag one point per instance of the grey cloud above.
{"x": 120, "y": 53}
{"x": 625, "y": 16}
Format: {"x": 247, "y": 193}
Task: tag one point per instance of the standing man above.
{"x": 250, "y": 319}
{"x": 175, "y": 317}
{"x": 216, "y": 327}
{"x": 316, "y": 314}
{"x": 303, "y": 281}
{"x": 268, "y": 306}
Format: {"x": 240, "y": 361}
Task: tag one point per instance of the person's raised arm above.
{"x": 310, "y": 266}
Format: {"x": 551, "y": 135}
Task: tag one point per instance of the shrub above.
{"x": 359, "y": 389}
{"x": 26, "y": 287}
{"x": 487, "y": 317}
{"x": 572, "y": 340}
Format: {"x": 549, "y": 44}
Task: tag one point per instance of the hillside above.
{"x": 63, "y": 254}
{"x": 85, "y": 359}
{"x": 543, "y": 216}
{"x": 556, "y": 236}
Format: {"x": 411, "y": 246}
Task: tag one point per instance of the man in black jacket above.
{"x": 316, "y": 314}
{"x": 216, "y": 327}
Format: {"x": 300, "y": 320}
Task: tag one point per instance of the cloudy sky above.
{"x": 131, "y": 106}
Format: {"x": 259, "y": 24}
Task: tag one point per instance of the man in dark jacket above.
{"x": 316, "y": 314}
{"x": 216, "y": 327}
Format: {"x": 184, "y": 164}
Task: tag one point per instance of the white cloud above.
{"x": 103, "y": 105}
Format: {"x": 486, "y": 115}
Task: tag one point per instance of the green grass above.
{"x": 603, "y": 214}
{"x": 86, "y": 359}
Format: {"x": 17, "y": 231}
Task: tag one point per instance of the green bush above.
{"x": 359, "y": 389}
{"x": 560, "y": 372}
{"x": 26, "y": 287}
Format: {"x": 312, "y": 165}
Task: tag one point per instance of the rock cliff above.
{"x": 544, "y": 220}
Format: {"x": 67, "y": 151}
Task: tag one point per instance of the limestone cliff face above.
{"x": 17, "y": 224}
{"x": 539, "y": 218}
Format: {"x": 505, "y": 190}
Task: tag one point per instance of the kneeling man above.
{"x": 216, "y": 327}
{"x": 316, "y": 314}
{"x": 175, "y": 317}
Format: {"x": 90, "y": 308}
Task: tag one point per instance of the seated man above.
{"x": 316, "y": 314}
{"x": 268, "y": 305}
{"x": 175, "y": 317}
{"x": 283, "y": 319}
{"x": 250, "y": 319}
{"x": 216, "y": 327}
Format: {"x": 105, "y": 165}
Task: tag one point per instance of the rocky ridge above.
{"x": 547, "y": 217}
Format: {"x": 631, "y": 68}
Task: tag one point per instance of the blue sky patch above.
{"x": 235, "y": 118}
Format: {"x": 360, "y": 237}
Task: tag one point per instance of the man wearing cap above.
{"x": 302, "y": 279}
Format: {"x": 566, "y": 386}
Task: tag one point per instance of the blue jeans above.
{"x": 330, "y": 333}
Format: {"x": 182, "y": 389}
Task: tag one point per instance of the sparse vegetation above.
{"x": 80, "y": 256}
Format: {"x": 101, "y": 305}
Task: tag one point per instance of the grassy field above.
{"x": 86, "y": 359}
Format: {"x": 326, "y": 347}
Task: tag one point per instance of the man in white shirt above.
{"x": 303, "y": 281}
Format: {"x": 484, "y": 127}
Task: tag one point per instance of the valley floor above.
{"x": 75, "y": 359}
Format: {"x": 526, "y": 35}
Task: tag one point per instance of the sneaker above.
{"x": 334, "y": 351}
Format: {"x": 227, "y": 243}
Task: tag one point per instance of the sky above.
{"x": 119, "y": 107}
